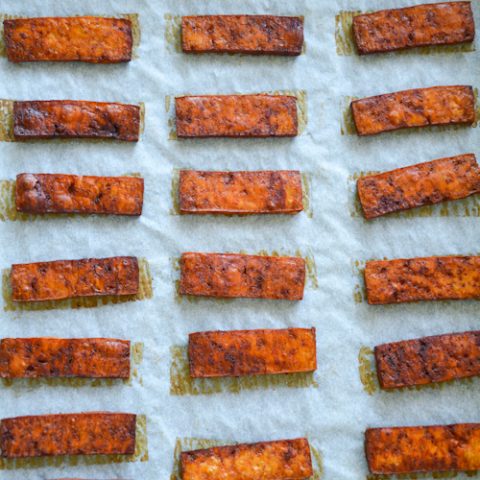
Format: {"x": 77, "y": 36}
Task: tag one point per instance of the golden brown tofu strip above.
{"x": 255, "y": 34}
{"x": 68, "y": 39}
{"x": 33, "y": 282}
{"x": 444, "y": 23}
{"x": 415, "y": 279}
{"x": 423, "y": 184}
{"x": 428, "y": 360}
{"x": 247, "y": 116}
{"x": 240, "y": 192}
{"x": 96, "y": 433}
{"x": 58, "y": 193}
{"x": 278, "y": 460}
{"x": 64, "y": 357}
{"x": 252, "y": 352}
{"x": 249, "y": 276}
{"x": 75, "y": 119}
{"x": 420, "y": 107}
{"x": 437, "y": 448}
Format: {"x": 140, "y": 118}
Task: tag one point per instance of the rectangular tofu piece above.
{"x": 241, "y": 193}
{"x": 277, "y": 460}
{"x": 235, "y": 275}
{"x": 254, "y": 34}
{"x": 252, "y": 352}
{"x": 64, "y": 357}
{"x": 420, "y": 107}
{"x": 415, "y": 279}
{"x": 35, "y": 282}
{"x": 68, "y": 39}
{"x": 95, "y": 433}
{"x": 444, "y": 23}
{"x": 75, "y": 119}
{"x": 422, "y": 361}
{"x": 57, "y": 193}
{"x": 247, "y": 116}
{"x": 423, "y": 184}
{"x": 437, "y": 448}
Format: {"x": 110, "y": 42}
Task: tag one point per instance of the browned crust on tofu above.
{"x": 422, "y": 361}
{"x": 68, "y": 39}
{"x": 96, "y": 433}
{"x": 64, "y": 357}
{"x": 235, "y": 275}
{"x": 241, "y": 193}
{"x": 251, "y": 352}
{"x": 419, "y": 107}
{"x": 58, "y": 193}
{"x": 415, "y": 279}
{"x": 75, "y": 119}
{"x": 444, "y": 23}
{"x": 423, "y": 184}
{"x": 249, "y": 34}
{"x": 254, "y": 116}
{"x": 277, "y": 460}
{"x": 437, "y": 448}
{"x": 33, "y": 282}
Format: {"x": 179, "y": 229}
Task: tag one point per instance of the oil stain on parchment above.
{"x": 345, "y": 42}
{"x": 181, "y": 383}
{"x": 140, "y": 455}
{"x": 188, "y": 444}
{"x": 136, "y": 358}
{"x": 145, "y": 292}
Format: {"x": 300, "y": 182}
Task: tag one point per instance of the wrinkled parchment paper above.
{"x": 333, "y": 407}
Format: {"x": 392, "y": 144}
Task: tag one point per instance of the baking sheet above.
{"x": 333, "y": 407}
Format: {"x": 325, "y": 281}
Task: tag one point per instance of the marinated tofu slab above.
{"x": 419, "y": 107}
{"x": 33, "y": 282}
{"x": 68, "y": 39}
{"x": 415, "y": 279}
{"x": 58, "y": 193}
{"x": 235, "y": 275}
{"x": 75, "y": 119}
{"x": 422, "y": 361}
{"x": 240, "y": 192}
{"x": 278, "y": 460}
{"x": 250, "y": 34}
{"x": 64, "y": 357}
{"x": 423, "y": 184}
{"x": 254, "y": 116}
{"x": 437, "y": 448}
{"x": 96, "y": 433}
{"x": 251, "y": 352}
{"x": 444, "y": 23}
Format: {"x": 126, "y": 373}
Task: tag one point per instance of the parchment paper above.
{"x": 332, "y": 408}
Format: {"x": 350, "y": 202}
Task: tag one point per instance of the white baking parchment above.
{"x": 333, "y": 408}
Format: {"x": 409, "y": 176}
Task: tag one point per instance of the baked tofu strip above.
{"x": 423, "y": 184}
{"x": 252, "y": 352}
{"x": 415, "y": 279}
{"x": 437, "y": 448}
{"x": 50, "y": 193}
{"x": 96, "y": 433}
{"x": 75, "y": 119}
{"x": 248, "y": 276}
{"x": 422, "y": 361}
{"x": 34, "y": 282}
{"x": 420, "y": 107}
{"x": 254, "y": 34}
{"x": 63, "y": 357}
{"x": 68, "y": 39}
{"x": 254, "y": 116}
{"x": 422, "y": 25}
{"x": 240, "y": 192}
{"x": 279, "y": 460}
